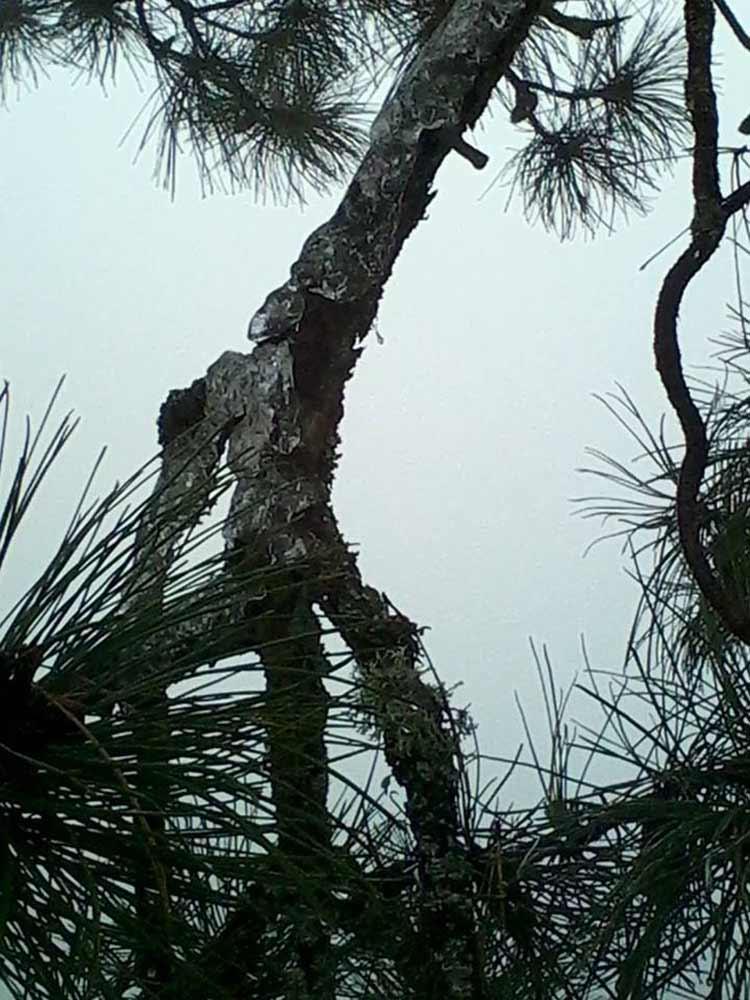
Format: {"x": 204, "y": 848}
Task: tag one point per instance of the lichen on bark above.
{"x": 278, "y": 410}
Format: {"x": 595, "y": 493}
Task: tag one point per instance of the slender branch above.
{"x": 737, "y": 200}
{"x": 155, "y": 45}
{"x": 731, "y": 18}
{"x": 579, "y": 94}
{"x": 710, "y": 215}
{"x": 581, "y": 27}
{"x": 187, "y": 16}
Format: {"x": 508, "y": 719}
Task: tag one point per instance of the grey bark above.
{"x": 278, "y": 408}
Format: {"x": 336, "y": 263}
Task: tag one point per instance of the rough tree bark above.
{"x": 277, "y": 409}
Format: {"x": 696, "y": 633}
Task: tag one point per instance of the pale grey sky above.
{"x": 463, "y": 430}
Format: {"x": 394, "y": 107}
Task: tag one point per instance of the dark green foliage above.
{"x": 608, "y": 118}
{"x": 275, "y": 95}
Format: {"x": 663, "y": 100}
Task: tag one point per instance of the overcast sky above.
{"x": 463, "y": 429}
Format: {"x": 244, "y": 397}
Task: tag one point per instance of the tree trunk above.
{"x": 278, "y": 408}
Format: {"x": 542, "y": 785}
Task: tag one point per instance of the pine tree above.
{"x": 162, "y": 841}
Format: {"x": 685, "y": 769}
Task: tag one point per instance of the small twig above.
{"x": 476, "y": 157}
{"x": 581, "y": 27}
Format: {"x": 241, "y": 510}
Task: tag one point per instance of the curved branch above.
{"x": 582, "y": 27}
{"x": 710, "y": 215}
{"x": 733, "y": 21}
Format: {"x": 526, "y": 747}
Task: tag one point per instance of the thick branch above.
{"x": 284, "y": 402}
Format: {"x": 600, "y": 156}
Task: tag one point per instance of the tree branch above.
{"x": 582, "y": 27}
{"x": 284, "y": 402}
{"x": 730, "y": 17}
{"x": 710, "y": 214}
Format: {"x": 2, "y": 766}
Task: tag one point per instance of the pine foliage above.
{"x": 276, "y": 95}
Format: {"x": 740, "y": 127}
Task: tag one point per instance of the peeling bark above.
{"x": 279, "y": 408}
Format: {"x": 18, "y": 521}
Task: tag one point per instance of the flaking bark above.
{"x": 279, "y": 407}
